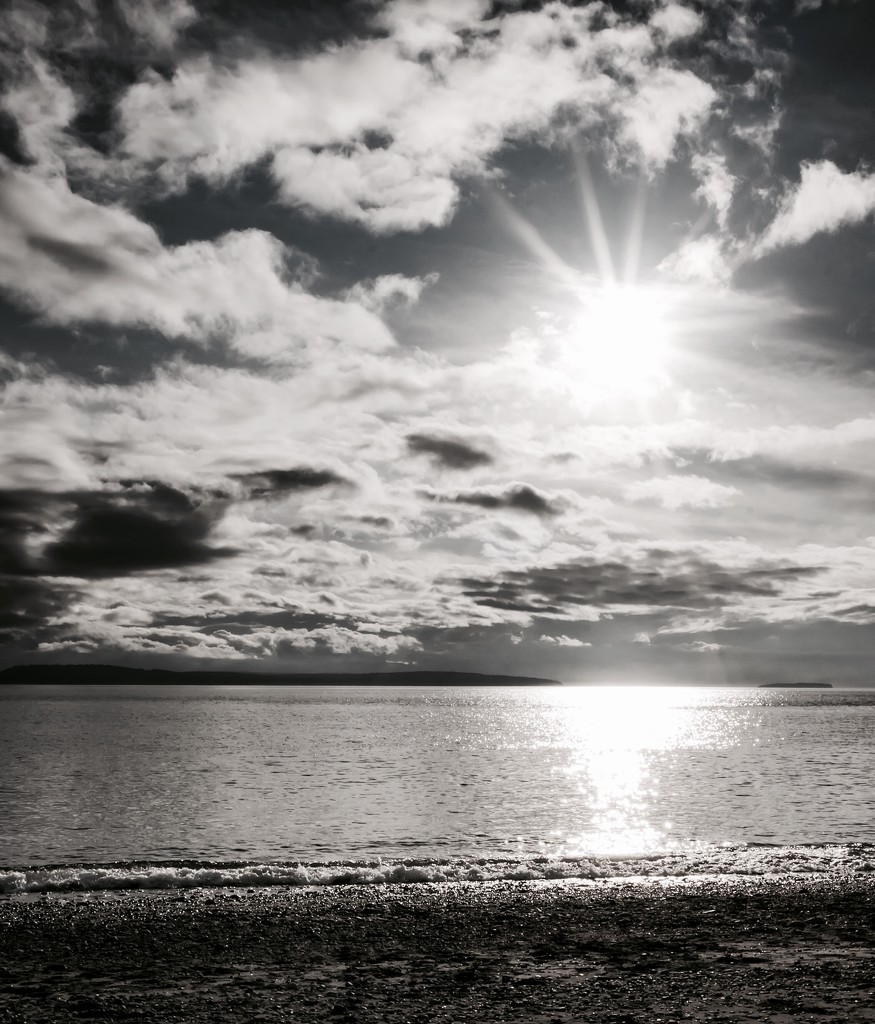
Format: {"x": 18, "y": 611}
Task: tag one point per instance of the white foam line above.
{"x": 841, "y": 860}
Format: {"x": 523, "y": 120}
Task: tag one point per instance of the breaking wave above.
{"x": 834, "y": 860}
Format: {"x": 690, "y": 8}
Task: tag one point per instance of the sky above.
{"x": 447, "y": 334}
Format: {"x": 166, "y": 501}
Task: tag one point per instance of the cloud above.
{"x": 273, "y": 483}
{"x": 202, "y": 426}
{"x": 26, "y": 608}
{"x": 135, "y": 526}
{"x": 669, "y": 104}
{"x": 341, "y": 640}
{"x": 761, "y": 131}
{"x": 702, "y": 259}
{"x": 389, "y": 290}
{"x": 677, "y": 21}
{"x": 85, "y": 28}
{"x": 146, "y": 526}
{"x": 430, "y": 26}
{"x": 701, "y": 647}
{"x": 446, "y": 452}
{"x": 825, "y": 200}
{"x": 159, "y": 21}
{"x": 516, "y": 497}
{"x": 41, "y": 106}
{"x": 674, "y": 492}
{"x": 717, "y": 185}
{"x": 75, "y": 261}
{"x": 562, "y": 641}
{"x": 62, "y": 105}
{"x": 803, "y": 6}
{"x": 21, "y": 523}
{"x": 380, "y": 131}
{"x": 587, "y": 590}
{"x": 779, "y": 472}
{"x": 793, "y": 440}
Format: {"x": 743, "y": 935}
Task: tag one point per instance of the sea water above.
{"x": 153, "y": 786}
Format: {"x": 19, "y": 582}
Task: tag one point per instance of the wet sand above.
{"x": 782, "y": 950}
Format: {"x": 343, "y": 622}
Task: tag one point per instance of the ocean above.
{"x": 106, "y": 787}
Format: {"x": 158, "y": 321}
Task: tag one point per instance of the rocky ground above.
{"x": 650, "y": 952}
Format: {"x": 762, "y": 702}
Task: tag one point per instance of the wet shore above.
{"x": 623, "y": 951}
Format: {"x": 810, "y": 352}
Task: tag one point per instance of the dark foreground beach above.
{"x": 779, "y": 950}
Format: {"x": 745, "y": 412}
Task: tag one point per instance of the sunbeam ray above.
{"x": 632, "y": 258}
{"x": 593, "y": 214}
{"x": 531, "y": 238}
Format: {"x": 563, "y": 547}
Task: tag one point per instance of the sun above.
{"x": 618, "y": 343}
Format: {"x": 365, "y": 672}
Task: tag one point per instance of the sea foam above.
{"x": 834, "y": 860}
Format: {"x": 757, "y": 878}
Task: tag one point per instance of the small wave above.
{"x": 706, "y": 860}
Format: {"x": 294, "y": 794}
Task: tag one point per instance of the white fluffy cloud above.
{"x": 372, "y": 563}
{"x": 159, "y": 21}
{"x": 674, "y": 492}
{"x": 701, "y": 647}
{"x": 42, "y": 106}
{"x": 699, "y": 259}
{"x": 825, "y": 200}
{"x": 563, "y": 641}
{"x": 716, "y": 184}
{"x": 76, "y": 261}
{"x": 667, "y": 105}
{"x": 677, "y": 21}
{"x": 373, "y": 133}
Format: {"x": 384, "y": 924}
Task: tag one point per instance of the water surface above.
{"x": 100, "y": 774}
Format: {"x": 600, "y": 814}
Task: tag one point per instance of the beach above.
{"x": 732, "y": 949}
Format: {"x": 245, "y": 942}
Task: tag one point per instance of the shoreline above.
{"x": 731, "y": 949}
{"x": 824, "y": 860}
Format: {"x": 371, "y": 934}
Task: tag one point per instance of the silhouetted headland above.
{"x": 795, "y": 686}
{"x": 116, "y": 675}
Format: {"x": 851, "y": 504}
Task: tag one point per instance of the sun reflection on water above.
{"x": 615, "y": 739}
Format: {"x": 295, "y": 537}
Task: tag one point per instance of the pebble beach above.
{"x": 628, "y": 951}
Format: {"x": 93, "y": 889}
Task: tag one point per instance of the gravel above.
{"x": 778, "y": 949}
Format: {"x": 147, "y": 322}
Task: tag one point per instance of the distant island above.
{"x": 795, "y": 686}
{"x": 118, "y": 675}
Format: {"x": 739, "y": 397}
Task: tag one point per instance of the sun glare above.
{"x": 618, "y": 343}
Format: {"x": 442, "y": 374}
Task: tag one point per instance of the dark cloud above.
{"x": 519, "y": 497}
{"x": 19, "y": 519}
{"x": 140, "y": 526}
{"x": 384, "y": 522}
{"x": 160, "y": 495}
{"x": 856, "y": 612}
{"x": 79, "y": 258}
{"x": 116, "y": 534}
{"x": 773, "y": 471}
{"x": 691, "y": 583}
{"x": 243, "y": 621}
{"x": 277, "y": 482}
{"x": 452, "y": 454}
{"x": 25, "y": 606}
{"x": 11, "y": 143}
{"x": 26, "y": 601}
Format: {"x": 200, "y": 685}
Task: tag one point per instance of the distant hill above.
{"x": 116, "y": 675}
{"x": 795, "y": 686}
